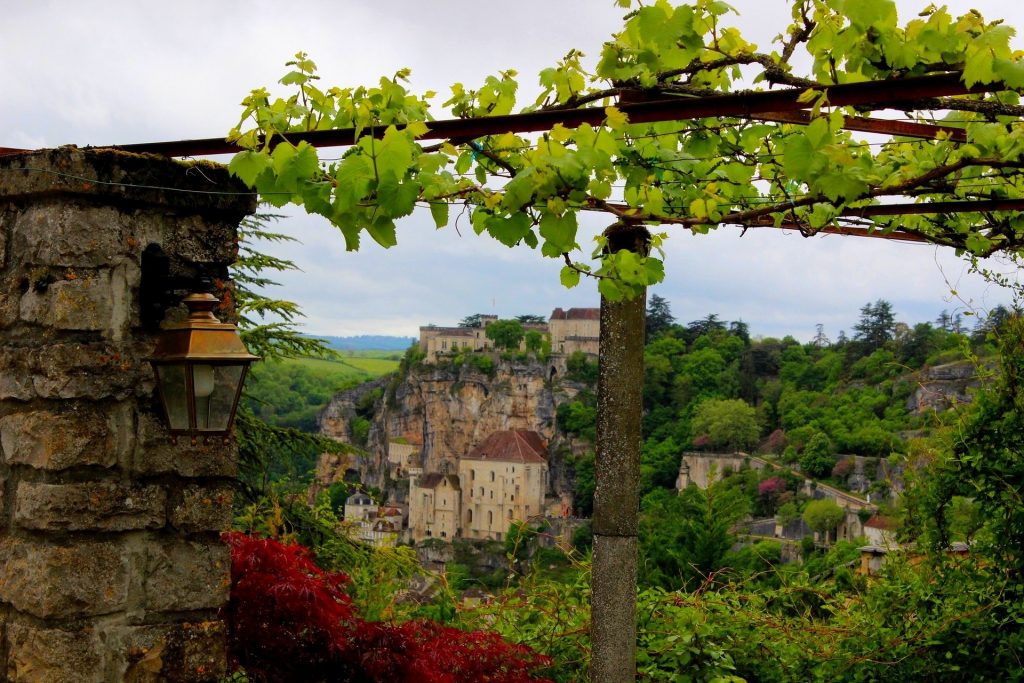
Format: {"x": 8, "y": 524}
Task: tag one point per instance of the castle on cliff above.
{"x": 575, "y": 329}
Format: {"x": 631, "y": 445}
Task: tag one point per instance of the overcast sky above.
{"x": 105, "y": 72}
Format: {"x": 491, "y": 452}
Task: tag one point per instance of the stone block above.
{"x": 157, "y": 454}
{"x": 79, "y": 302}
{"x": 8, "y": 307}
{"x": 5, "y": 220}
{"x": 75, "y": 436}
{"x": 98, "y": 370}
{"x": 89, "y": 506}
{"x": 16, "y": 373}
{"x": 47, "y": 580}
{"x": 122, "y": 175}
{"x": 52, "y": 655}
{"x": 71, "y": 235}
{"x": 202, "y": 508}
{"x": 180, "y": 575}
{"x": 159, "y": 653}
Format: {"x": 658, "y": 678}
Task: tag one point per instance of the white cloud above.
{"x": 94, "y": 72}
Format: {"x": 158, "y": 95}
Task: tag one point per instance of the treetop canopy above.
{"x": 809, "y": 171}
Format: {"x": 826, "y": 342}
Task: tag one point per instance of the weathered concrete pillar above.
{"x": 111, "y": 568}
{"x": 617, "y": 476}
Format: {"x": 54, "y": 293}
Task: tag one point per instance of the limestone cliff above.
{"x": 944, "y": 386}
{"x": 447, "y": 410}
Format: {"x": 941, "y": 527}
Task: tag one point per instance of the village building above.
{"x": 435, "y": 502}
{"x": 359, "y": 507}
{"x": 575, "y": 329}
{"x": 403, "y": 454}
{"x": 501, "y": 481}
{"x": 370, "y": 523}
{"x": 504, "y": 480}
{"x": 435, "y": 340}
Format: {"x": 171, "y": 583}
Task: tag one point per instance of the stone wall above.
{"x": 111, "y": 567}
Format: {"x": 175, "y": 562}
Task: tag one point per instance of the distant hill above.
{"x": 365, "y": 342}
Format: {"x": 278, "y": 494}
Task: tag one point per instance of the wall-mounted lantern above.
{"x": 200, "y": 366}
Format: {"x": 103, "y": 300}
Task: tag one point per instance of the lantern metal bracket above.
{"x": 164, "y": 284}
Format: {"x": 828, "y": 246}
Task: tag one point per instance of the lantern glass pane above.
{"x": 216, "y": 388}
{"x": 175, "y": 393}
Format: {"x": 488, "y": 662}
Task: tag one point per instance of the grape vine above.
{"x": 691, "y": 174}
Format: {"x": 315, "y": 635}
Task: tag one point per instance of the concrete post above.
{"x": 111, "y": 568}
{"x": 617, "y": 476}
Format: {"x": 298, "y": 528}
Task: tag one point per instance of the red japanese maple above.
{"x": 289, "y": 620}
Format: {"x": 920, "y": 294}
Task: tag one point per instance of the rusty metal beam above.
{"x": 741, "y": 105}
{"x": 907, "y": 129}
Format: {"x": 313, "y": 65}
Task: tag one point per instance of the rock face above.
{"x": 944, "y": 386}
{"x": 447, "y": 411}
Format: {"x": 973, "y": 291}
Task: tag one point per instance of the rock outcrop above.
{"x": 944, "y": 386}
{"x": 446, "y": 411}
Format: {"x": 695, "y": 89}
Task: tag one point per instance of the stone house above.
{"x": 505, "y": 479}
{"x": 402, "y": 455}
{"x": 502, "y": 480}
{"x": 434, "y": 505}
{"x": 577, "y": 329}
{"x": 436, "y": 340}
{"x": 373, "y": 524}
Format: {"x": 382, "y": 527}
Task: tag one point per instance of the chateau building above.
{"x": 575, "y": 329}
{"x": 578, "y": 329}
{"x": 502, "y": 480}
{"x": 505, "y": 479}
{"x": 434, "y": 505}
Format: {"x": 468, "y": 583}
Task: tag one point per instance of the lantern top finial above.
{"x": 201, "y": 307}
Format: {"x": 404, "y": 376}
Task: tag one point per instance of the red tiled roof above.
{"x": 576, "y": 314}
{"x": 514, "y": 445}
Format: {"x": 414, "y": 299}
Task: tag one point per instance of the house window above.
{"x": 490, "y": 518}
{"x": 497, "y": 536}
{"x": 443, "y": 534}
{"x": 429, "y": 533}
{"x": 481, "y": 491}
{"x": 513, "y": 497}
{"x": 510, "y": 515}
{"x": 472, "y": 475}
{"x": 469, "y": 516}
{"x": 492, "y": 495}
{"x": 492, "y": 476}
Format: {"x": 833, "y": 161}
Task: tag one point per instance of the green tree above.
{"x": 727, "y": 423}
{"x": 787, "y": 513}
{"x": 659, "y": 316}
{"x": 506, "y": 334}
{"x": 818, "y": 457}
{"x": 531, "y": 319}
{"x": 876, "y": 326}
{"x": 684, "y": 538}
{"x": 474, "y": 320}
{"x": 823, "y": 516}
{"x": 534, "y": 341}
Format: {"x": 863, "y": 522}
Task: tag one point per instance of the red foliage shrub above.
{"x": 701, "y": 441}
{"x": 775, "y": 443}
{"x": 843, "y": 468}
{"x": 289, "y": 620}
{"x": 771, "y": 487}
